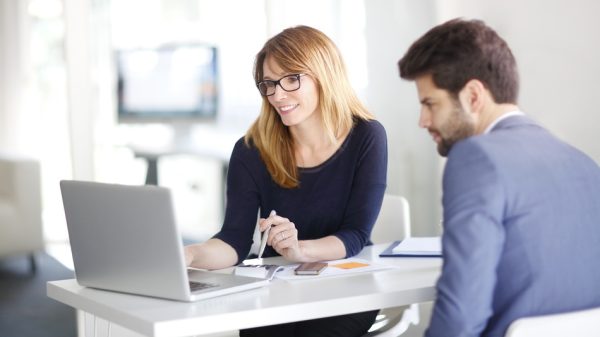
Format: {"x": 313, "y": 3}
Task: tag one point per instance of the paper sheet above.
{"x": 334, "y": 268}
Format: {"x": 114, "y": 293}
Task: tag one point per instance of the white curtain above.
{"x": 14, "y": 118}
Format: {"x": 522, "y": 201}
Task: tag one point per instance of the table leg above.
{"x": 89, "y": 325}
{"x": 152, "y": 172}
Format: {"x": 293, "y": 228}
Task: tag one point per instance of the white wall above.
{"x": 414, "y": 165}
{"x": 555, "y": 42}
{"x": 557, "y": 46}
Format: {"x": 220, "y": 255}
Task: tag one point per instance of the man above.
{"x": 521, "y": 208}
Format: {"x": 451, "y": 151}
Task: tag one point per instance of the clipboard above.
{"x": 389, "y": 252}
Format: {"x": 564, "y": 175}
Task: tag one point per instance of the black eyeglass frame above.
{"x": 278, "y": 83}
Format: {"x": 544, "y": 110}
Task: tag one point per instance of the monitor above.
{"x": 168, "y": 83}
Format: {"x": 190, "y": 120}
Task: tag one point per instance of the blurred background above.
{"x": 158, "y": 91}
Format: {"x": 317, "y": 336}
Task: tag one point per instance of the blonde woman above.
{"x": 316, "y": 157}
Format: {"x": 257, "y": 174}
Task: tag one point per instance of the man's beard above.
{"x": 458, "y": 127}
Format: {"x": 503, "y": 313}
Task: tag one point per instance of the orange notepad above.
{"x": 350, "y": 265}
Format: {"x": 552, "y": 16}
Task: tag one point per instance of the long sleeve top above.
{"x": 341, "y": 197}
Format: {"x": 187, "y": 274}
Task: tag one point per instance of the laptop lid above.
{"x": 125, "y": 238}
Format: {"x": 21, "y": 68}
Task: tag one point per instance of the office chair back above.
{"x": 393, "y": 222}
{"x": 20, "y": 207}
{"x": 583, "y": 323}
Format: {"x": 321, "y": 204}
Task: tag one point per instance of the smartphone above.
{"x": 310, "y": 268}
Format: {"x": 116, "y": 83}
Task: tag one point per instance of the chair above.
{"x": 20, "y": 207}
{"x": 393, "y": 223}
{"x": 583, "y": 323}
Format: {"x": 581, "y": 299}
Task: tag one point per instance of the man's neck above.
{"x": 496, "y": 111}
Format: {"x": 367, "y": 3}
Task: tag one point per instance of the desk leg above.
{"x": 152, "y": 172}
{"x": 103, "y": 327}
{"x": 93, "y": 326}
{"x": 80, "y": 323}
{"x": 89, "y": 325}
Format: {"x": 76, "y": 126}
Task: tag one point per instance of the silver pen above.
{"x": 265, "y": 236}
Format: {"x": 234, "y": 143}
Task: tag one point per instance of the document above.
{"x": 415, "y": 247}
{"x": 266, "y": 271}
{"x": 334, "y": 268}
{"x": 254, "y": 268}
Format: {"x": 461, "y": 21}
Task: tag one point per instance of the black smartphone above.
{"x": 310, "y": 268}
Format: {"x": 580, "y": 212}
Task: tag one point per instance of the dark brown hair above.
{"x": 458, "y": 51}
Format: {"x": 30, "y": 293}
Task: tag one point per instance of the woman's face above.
{"x": 294, "y": 107}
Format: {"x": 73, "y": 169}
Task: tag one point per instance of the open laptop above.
{"x": 124, "y": 238}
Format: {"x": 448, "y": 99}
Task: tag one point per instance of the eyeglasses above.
{"x": 287, "y": 83}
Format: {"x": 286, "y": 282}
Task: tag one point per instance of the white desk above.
{"x": 207, "y": 142}
{"x": 413, "y": 281}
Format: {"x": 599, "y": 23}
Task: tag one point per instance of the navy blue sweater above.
{"x": 340, "y": 197}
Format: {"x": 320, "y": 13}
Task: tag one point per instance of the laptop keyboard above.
{"x": 196, "y": 286}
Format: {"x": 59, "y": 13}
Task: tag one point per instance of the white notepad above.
{"x": 266, "y": 271}
{"x": 419, "y": 246}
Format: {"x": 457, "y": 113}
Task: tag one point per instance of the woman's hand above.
{"x": 283, "y": 237}
{"x": 211, "y": 254}
{"x": 189, "y": 255}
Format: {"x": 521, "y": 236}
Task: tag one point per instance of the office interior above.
{"x": 59, "y": 88}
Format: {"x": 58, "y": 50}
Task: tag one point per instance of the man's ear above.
{"x": 473, "y": 96}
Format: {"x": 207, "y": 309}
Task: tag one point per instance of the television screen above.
{"x": 167, "y": 83}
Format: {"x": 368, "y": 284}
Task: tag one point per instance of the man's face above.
{"x": 442, "y": 115}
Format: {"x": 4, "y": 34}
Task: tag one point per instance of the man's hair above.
{"x": 458, "y": 51}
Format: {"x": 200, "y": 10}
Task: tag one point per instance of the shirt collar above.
{"x": 501, "y": 118}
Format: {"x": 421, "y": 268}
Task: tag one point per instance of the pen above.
{"x": 265, "y": 236}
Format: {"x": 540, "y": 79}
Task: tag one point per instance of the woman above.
{"x": 316, "y": 157}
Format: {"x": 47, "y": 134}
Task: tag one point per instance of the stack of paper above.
{"x": 266, "y": 271}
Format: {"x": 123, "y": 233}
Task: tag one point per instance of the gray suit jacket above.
{"x": 521, "y": 231}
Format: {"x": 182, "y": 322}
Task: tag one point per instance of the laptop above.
{"x": 124, "y": 238}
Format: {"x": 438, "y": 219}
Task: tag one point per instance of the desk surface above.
{"x": 411, "y": 281}
{"x": 210, "y": 142}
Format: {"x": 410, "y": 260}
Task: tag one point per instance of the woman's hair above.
{"x": 460, "y": 50}
{"x": 303, "y": 50}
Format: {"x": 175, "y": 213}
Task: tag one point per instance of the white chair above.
{"x": 393, "y": 223}
{"x": 583, "y": 323}
{"x": 20, "y": 207}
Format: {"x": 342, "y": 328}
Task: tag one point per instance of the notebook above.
{"x": 125, "y": 239}
{"x": 266, "y": 271}
{"x": 415, "y": 247}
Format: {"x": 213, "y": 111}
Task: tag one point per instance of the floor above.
{"x": 25, "y": 309}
